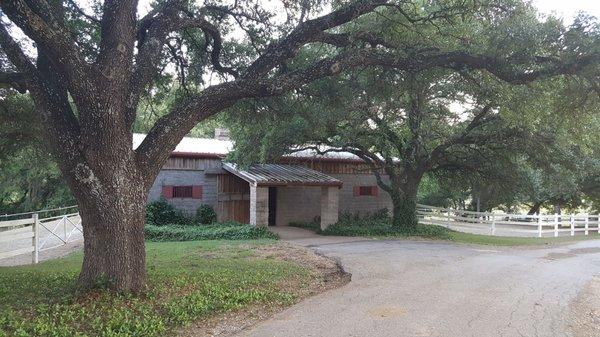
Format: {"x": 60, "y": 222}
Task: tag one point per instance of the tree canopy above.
{"x": 89, "y": 72}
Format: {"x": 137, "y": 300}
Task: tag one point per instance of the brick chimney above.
{"x": 222, "y": 134}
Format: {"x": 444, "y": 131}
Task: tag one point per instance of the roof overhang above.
{"x": 281, "y": 175}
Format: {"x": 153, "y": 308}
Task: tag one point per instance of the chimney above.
{"x": 222, "y": 134}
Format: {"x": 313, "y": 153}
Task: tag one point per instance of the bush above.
{"x": 375, "y": 224}
{"x": 160, "y": 213}
{"x": 205, "y": 214}
{"x": 223, "y": 231}
{"x": 383, "y": 227}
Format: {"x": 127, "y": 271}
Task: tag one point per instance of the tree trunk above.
{"x": 405, "y": 206}
{"x": 535, "y": 208}
{"x": 113, "y": 231}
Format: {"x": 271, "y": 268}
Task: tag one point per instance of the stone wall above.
{"x": 172, "y": 177}
{"x": 303, "y": 203}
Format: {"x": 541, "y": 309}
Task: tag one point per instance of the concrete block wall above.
{"x": 298, "y": 203}
{"x": 259, "y": 206}
{"x": 329, "y": 206}
{"x": 185, "y": 178}
{"x": 361, "y": 204}
{"x": 303, "y": 203}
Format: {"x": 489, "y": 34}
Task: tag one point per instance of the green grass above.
{"x": 187, "y": 281}
{"x": 515, "y": 241}
{"x": 382, "y": 228}
{"x": 219, "y": 231}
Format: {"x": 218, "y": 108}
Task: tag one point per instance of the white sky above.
{"x": 567, "y": 9}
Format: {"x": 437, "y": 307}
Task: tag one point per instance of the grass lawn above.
{"x": 187, "y": 281}
{"x": 514, "y": 241}
{"x": 381, "y": 228}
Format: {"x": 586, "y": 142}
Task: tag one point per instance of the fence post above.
{"x": 555, "y": 224}
{"x": 36, "y": 239}
{"x": 587, "y": 223}
{"x": 448, "y": 219}
{"x": 65, "y": 226}
{"x": 539, "y": 223}
{"x": 572, "y": 223}
{"x": 493, "y": 230}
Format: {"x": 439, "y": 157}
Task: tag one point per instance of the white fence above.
{"x": 31, "y": 233}
{"x": 504, "y": 224}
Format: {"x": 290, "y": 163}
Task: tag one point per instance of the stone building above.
{"x": 299, "y": 187}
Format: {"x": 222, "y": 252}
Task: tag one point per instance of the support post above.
{"x": 329, "y": 206}
{"x": 572, "y": 223}
{"x": 587, "y": 223}
{"x": 539, "y": 223}
{"x": 35, "y": 255}
{"x": 259, "y": 206}
{"x": 493, "y": 229}
{"x": 555, "y": 224}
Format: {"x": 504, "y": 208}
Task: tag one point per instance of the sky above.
{"x": 568, "y": 8}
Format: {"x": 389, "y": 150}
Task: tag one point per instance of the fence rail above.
{"x": 34, "y": 232}
{"x": 506, "y": 224}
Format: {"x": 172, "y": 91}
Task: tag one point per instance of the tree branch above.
{"x": 17, "y": 81}
{"x": 277, "y": 52}
{"x": 50, "y": 34}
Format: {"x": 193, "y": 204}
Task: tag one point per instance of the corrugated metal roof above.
{"x": 278, "y": 175}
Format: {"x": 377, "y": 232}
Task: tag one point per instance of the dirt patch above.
{"x": 326, "y": 274}
{"x": 387, "y": 312}
{"x": 558, "y": 256}
{"x": 572, "y": 253}
{"x": 585, "y": 311}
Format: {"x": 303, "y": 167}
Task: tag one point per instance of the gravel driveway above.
{"x": 408, "y": 288}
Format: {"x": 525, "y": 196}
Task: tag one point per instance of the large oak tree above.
{"x": 87, "y": 73}
{"x": 438, "y": 115}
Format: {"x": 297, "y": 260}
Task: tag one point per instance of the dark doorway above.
{"x": 272, "y": 206}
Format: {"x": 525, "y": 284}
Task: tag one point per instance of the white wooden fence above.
{"x": 31, "y": 233}
{"x": 504, "y": 224}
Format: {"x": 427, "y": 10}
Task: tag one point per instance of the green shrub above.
{"x": 205, "y": 214}
{"x": 160, "y": 213}
{"x": 383, "y": 227}
{"x": 224, "y": 231}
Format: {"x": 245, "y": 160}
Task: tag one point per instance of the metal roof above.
{"x": 282, "y": 175}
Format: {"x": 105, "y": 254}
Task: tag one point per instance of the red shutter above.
{"x": 167, "y": 191}
{"x": 374, "y": 191}
{"x": 356, "y": 191}
{"x": 197, "y": 192}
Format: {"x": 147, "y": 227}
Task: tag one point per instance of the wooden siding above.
{"x": 233, "y": 200}
{"x": 184, "y": 163}
{"x": 228, "y": 183}
{"x": 234, "y": 210}
{"x": 331, "y": 167}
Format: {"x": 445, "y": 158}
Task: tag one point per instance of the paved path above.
{"x": 408, "y": 288}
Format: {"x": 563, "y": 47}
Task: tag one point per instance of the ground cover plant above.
{"x": 187, "y": 281}
{"x": 384, "y": 228}
{"x": 218, "y": 231}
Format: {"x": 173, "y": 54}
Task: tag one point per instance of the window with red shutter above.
{"x": 182, "y": 191}
{"x": 197, "y": 192}
{"x": 167, "y": 191}
{"x": 360, "y": 191}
